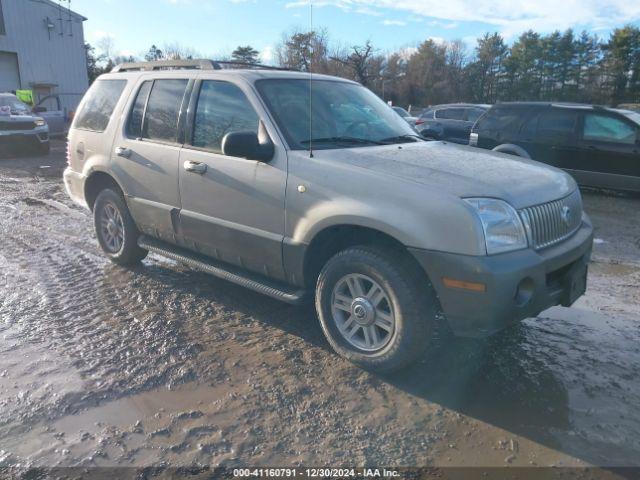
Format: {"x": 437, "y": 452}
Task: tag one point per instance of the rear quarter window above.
{"x": 99, "y": 103}
{"x": 504, "y": 120}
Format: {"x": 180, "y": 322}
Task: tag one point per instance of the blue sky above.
{"x": 216, "y": 27}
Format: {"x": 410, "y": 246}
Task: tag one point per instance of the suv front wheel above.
{"x": 116, "y": 231}
{"x": 375, "y": 307}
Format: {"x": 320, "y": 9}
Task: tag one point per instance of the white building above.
{"x": 42, "y": 49}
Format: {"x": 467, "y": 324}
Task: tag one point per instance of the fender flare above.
{"x": 512, "y": 149}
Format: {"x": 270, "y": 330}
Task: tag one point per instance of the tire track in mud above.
{"x": 120, "y": 331}
{"x": 70, "y": 300}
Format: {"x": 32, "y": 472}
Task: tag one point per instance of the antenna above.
{"x": 311, "y": 53}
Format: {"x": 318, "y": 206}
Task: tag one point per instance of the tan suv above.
{"x": 227, "y": 170}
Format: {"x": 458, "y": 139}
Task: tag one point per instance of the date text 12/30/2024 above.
{"x": 315, "y": 473}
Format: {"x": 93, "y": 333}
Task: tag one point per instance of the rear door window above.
{"x": 162, "y": 113}
{"x": 451, "y": 114}
{"x": 604, "y": 128}
{"x": 222, "y": 108}
{"x": 99, "y": 104}
{"x": 557, "y": 122}
{"x": 134, "y": 127}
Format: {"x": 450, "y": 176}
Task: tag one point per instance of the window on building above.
{"x": 2, "y": 30}
{"x": 222, "y": 108}
{"x": 99, "y": 104}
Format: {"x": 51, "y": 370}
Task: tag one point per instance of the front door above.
{"x": 609, "y": 151}
{"x": 147, "y": 152}
{"x": 232, "y": 208}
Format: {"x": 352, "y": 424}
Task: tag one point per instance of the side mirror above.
{"x": 39, "y": 109}
{"x": 249, "y": 145}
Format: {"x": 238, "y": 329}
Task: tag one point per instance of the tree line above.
{"x": 559, "y": 66}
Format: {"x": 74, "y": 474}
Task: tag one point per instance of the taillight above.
{"x": 419, "y": 121}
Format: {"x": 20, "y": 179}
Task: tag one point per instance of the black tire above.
{"x": 129, "y": 252}
{"x": 408, "y": 293}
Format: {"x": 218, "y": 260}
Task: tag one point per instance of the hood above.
{"x": 462, "y": 171}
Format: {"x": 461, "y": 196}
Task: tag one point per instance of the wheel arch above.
{"x": 335, "y": 238}
{"x": 512, "y": 149}
{"x": 97, "y": 181}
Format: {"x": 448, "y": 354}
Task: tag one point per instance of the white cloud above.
{"x": 508, "y": 16}
{"x": 398, "y": 23}
{"x": 267, "y": 54}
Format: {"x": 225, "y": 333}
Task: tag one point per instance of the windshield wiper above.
{"x": 344, "y": 139}
{"x": 399, "y": 139}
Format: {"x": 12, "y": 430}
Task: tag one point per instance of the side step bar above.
{"x": 232, "y": 274}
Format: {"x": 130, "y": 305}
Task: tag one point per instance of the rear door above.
{"x": 551, "y": 136}
{"x": 146, "y": 154}
{"x": 609, "y": 149}
{"x": 232, "y": 208}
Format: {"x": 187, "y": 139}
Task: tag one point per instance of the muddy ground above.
{"x": 159, "y": 365}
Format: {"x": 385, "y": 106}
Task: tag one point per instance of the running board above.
{"x": 232, "y": 274}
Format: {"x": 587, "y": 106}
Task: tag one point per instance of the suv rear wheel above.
{"x": 116, "y": 231}
{"x": 375, "y": 310}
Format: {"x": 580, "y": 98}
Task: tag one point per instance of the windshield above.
{"x": 344, "y": 115}
{"x": 16, "y": 106}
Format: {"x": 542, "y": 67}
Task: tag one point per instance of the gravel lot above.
{"x": 160, "y": 365}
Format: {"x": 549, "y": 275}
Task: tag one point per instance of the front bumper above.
{"x": 24, "y": 138}
{"x": 518, "y": 284}
{"x": 74, "y": 184}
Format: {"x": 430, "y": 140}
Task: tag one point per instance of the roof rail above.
{"x": 259, "y": 66}
{"x": 199, "y": 64}
{"x": 166, "y": 65}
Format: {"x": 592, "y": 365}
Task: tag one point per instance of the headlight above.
{"x": 40, "y": 122}
{"x": 503, "y": 229}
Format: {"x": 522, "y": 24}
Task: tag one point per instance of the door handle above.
{"x": 123, "y": 152}
{"x": 195, "y": 167}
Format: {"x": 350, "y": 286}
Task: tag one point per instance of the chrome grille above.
{"x": 552, "y": 222}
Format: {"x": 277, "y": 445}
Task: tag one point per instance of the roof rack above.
{"x": 226, "y": 64}
{"x": 165, "y": 65}
{"x": 195, "y": 64}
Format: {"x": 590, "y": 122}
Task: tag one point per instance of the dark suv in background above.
{"x": 599, "y": 146}
{"x": 450, "y": 122}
